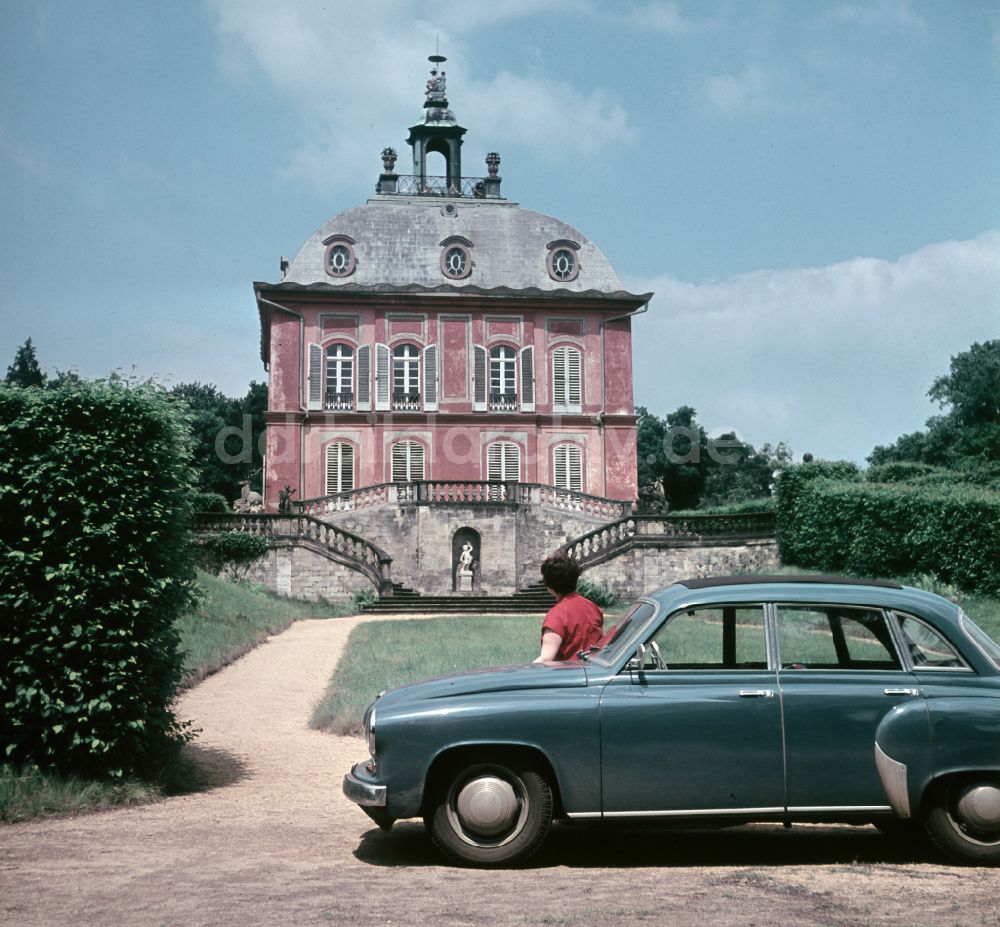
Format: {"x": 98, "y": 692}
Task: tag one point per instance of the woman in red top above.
{"x": 574, "y": 623}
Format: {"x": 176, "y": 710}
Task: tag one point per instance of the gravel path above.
{"x": 274, "y": 842}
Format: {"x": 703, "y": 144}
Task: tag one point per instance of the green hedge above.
{"x": 95, "y": 565}
{"x": 209, "y": 502}
{"x": 827, "y": 522}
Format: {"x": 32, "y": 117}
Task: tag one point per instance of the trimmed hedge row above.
{"x": 95, "y": 566}
{"x": 829, "y": 519}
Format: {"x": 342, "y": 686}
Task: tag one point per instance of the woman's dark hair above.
{"x": 560, "y": 573}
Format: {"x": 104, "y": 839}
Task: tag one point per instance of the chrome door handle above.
{"x": 901, "y": 691}
{"x": 756, "y": 693}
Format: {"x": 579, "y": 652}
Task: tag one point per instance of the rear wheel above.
{"x": 490, "y": 814}
{"x": 964, "y": 820}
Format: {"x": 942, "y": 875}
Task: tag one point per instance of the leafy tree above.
{"x": 226, "y": 435}
{"x": 969, "y": 429}
{"x": 24, "y": 371}
{"x": 680, "y": 467}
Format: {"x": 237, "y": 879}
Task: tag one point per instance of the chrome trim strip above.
{"x": 692, "y": 812}
{"x": 824, "y": 809}
{"x": 893, "y": 776}
{"x": 583, "y": 814}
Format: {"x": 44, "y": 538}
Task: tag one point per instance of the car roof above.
{"x": 708, "y": 582}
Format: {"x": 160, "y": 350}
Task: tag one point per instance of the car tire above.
{"x": 490, "y": 814}
{"x": 964, "y": 818}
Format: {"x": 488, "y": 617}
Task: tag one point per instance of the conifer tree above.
{"x": 25, "y": 370}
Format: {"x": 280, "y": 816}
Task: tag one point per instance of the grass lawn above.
{"x": 232, "y": 619}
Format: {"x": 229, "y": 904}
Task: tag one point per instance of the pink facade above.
{"x": 369, "y": 391}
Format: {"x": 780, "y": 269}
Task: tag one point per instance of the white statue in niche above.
{"x": 465, "y": 563}
{"x": 465, "y": 559}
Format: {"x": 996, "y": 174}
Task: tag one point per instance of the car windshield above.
{"x": 608, "y": 647}
{"x": 980, "y": 638}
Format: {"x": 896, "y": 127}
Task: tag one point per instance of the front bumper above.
{"x": 362, "y": 790}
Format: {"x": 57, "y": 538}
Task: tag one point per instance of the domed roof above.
{"x": 395, "y": 243}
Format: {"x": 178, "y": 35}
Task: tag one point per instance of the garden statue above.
{"x": 285, "y": 500}
{"x": 249, "y": 502}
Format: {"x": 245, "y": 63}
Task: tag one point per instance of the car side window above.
{"x": 717, "y": 638}
{"x": 834, "y": 637}
{"x": 927, "y": 648}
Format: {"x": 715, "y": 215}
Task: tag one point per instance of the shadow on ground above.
{"x": 602, "y": 846}
{"x": 202, "y": 769}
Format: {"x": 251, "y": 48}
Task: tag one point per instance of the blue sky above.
{"x": 811, "y": 188}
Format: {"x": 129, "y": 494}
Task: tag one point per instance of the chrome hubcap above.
{"x": 487, "y": 806}
{"x": 979, "y": 808}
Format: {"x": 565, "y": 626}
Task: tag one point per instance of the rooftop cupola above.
{"x": 438, "y": 132}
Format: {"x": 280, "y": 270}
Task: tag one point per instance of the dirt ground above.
{"x": 273, "y": 841}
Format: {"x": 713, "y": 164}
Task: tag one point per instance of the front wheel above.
{"x": 490, "y": 814}
{"x": 964, "y": 821}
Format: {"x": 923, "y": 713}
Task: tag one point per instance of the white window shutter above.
{"x": 559, "y": 379}
{"x": 399, "y": 474}
{"x": 315, "y": 392}
{"x": 480, "y": 381}
{"x": 574, "y": 381}
{"x": 416, "y": 461}
{"x": 494, "y": 462}
{"x": 430, "y": 379}
{"x": 407, "y": 462}
{"x": 364, "y": 397}
{"x": 511, "y": 462}
{"x": 528, "y": 379}
{"x": 383, "y": 383}
{"x": 339, "y": 467}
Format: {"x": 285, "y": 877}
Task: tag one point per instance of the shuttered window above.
{"x": 407, "y": 461}
{"x": 431, "y": 378}
{"x": 383, "y": 384}
{"x": 528, "y": 379}
{"x": 479, "y": 378}
{"x": 566, "y": 385}
{"x": 567, "y": 467}
{"x": 364, "y": 378}
{"x": 339, "y": 394}
{"x": 314, "y": 396}
{"x": 339, "y": 467}
{"x": 503, "y": 461}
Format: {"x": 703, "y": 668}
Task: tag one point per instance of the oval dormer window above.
{"x": 339, "y": 259}
{"x": 563, "y": 264}
{"x": 456, "y": 258}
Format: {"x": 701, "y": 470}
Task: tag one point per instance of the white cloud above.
{"x": 357, "y": 80}
{"x": 884, "y": 16}
{"x": 751, "y": 91}
{"x": 665, "y": 17}
{"x": 832, "y": 359}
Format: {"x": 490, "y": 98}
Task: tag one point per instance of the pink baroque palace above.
{"x": 439, "y": 345}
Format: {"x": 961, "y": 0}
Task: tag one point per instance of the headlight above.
{"x": 370, "y": 732}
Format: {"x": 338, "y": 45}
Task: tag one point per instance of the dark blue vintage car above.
{"x": 730, "y": 700}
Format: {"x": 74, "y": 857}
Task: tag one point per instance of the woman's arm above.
{"x": 550, "y": 647}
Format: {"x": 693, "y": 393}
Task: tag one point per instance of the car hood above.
{"x": 495, "y": 679}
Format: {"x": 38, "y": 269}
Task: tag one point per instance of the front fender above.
{"x": 559, "y": 724}
{"x": 903, "y": 755}
{"x": 965, "y": 733}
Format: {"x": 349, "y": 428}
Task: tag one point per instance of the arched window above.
{"x": 406, "y": 378}
{"x": 567, "y": 467}
{"x": 339, "y": 377}
{"x": 339, "y": 467}
{"x": 503, "y": 379}
{"x": 407, "y": 462}
{"x": 567, "y": 391}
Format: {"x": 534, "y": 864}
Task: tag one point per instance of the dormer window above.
{"x": 339, "y": 259}
{"x": 563, "y": 263}
{"x": 456, "y": 257}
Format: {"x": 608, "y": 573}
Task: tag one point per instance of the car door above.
{"x": 839, "y": 674}
{"x": 697, "y": 728}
